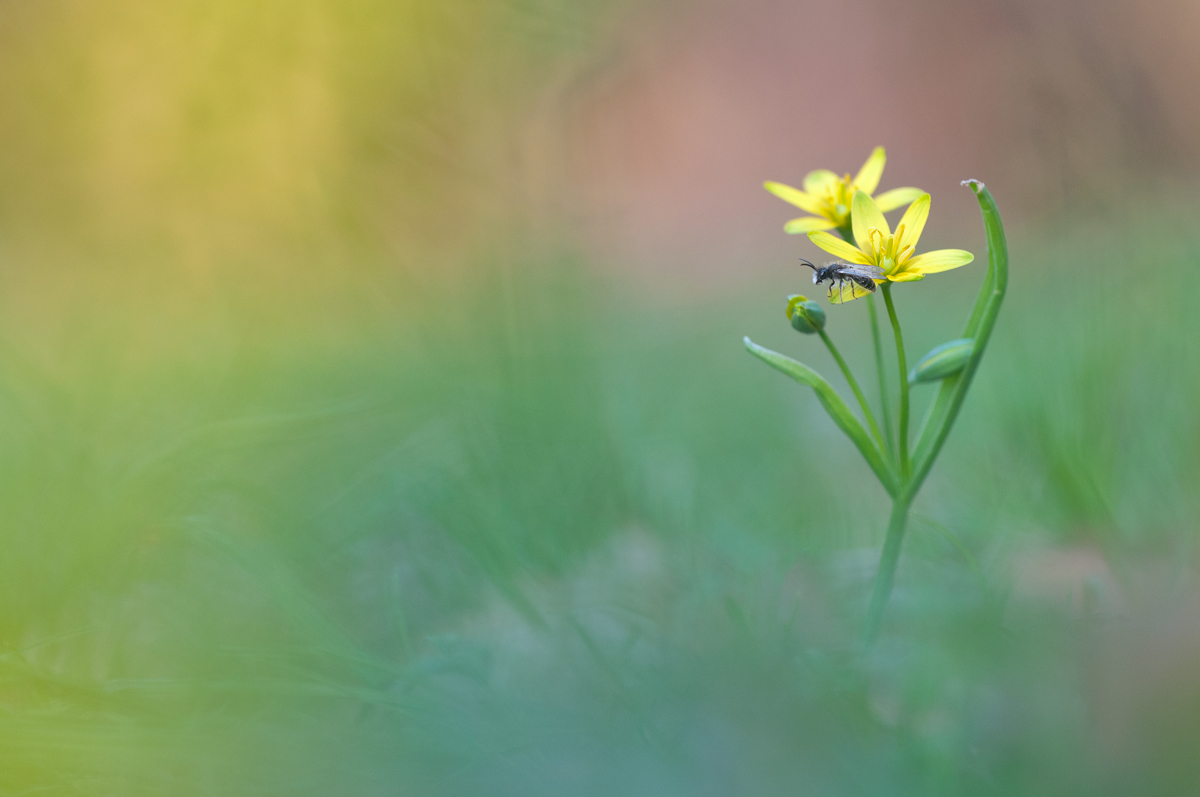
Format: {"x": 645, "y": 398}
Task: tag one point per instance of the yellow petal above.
{"x": 913, "y": 221}
{"x": 819, "y": 181}
{"x": 838, "y": 248}
{"x": 906, "y": 276}
{"x": 868, "y": 176}
{"x": 941, "y": 260}
{"x": 795, "y": 196}
{"x": 846, "y": 292}
{"x": 865, "y": 214}
{"x": 808, "y": 224}
{"x": 897, "y": 197}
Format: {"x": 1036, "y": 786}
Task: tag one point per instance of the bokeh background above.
{"x": 374, "y": 417}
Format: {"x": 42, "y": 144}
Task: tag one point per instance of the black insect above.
{"x": 860, "y": 278}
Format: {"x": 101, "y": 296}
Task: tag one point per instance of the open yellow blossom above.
{"x": 828, "y": 196}
{"x": 893, "y": 252}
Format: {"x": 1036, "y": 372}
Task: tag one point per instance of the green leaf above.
{"x": 942, "y": 361}
{"x": 953, "y": 390}
{"x": 833, "y": 405}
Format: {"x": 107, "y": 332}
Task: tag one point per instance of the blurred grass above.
{"x": 570, "y": 543}
{"x": 322, "y": 471}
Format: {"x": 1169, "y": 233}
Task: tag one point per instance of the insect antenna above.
{"x": 806, "y": 263}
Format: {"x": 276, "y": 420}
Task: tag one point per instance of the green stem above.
{"x": 888, "y": 560}
{"x": 858, "y": 394}
{"x": 903, "y": 438}
{"x": 881, "y": 376}
{"x": 889, "y": 449}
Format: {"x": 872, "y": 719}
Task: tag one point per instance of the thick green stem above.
{"x": 902, "y": 442}
{"x": 862, "y": 400}
{"x": 888, "y": 560}
{"x": 881, "y": 376}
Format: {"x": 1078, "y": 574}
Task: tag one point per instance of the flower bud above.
{"x": 806, "y": 316}
{"x": 942, "y": 361}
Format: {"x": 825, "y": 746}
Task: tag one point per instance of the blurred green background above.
{"x": 374, "y": 417}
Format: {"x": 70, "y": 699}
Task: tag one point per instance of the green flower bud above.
{"x": 806, "y": 316}
{"x": 942, "y": 361}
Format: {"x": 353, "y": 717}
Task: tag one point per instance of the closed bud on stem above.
{"x": 942, "y": 361}
{"x": 806, "y": 316}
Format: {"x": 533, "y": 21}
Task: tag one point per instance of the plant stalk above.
{"x": 889, "y": 449}
{"x": 881, "y": 377}
{"x": 886, "y": 575}
{"x": 905, "y": 469}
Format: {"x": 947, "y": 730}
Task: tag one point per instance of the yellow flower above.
{"x": 828, "y": 196}
{"x": 893, "y": 252}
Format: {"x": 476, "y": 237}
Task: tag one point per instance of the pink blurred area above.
{"x": 1061, "y": 107}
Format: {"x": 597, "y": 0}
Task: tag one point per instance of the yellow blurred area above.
{"x": 207, "y": 132}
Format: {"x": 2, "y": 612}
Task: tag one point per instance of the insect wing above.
{"x": 870, "y": 272}
{"x": 848, "y": 291}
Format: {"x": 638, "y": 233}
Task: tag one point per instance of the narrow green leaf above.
{"x": 953, "y": 390}
{"x": 833, "y": 405}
